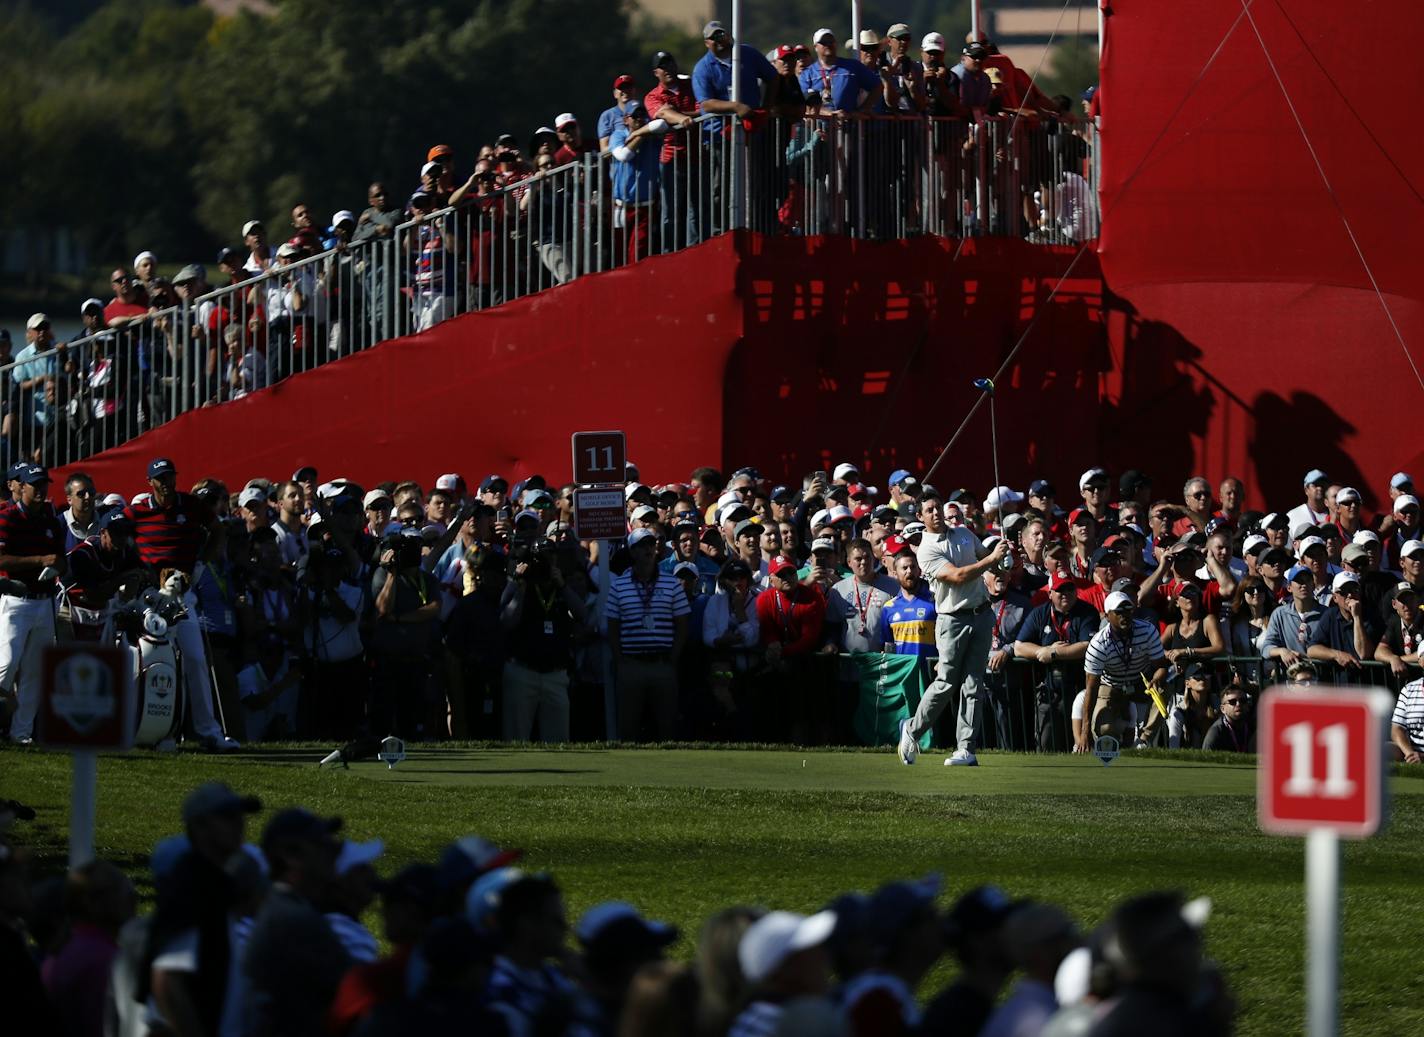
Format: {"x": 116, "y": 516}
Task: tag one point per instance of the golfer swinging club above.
{"x": 954, "y": 562}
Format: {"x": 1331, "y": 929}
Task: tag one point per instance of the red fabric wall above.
{"x": 498, "y": 391}
{"x": 867, "y": 351}
{"x": 1236, "y": 302}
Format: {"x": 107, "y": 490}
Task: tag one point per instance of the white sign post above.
{"x": 599, "y": 462}
{"x": 1321, "y": 775}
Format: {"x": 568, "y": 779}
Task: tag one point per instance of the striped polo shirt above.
{"x": 30, "y": 533}
{"x": 1409, "y": 712}
{"x": 645, "y": 612}
{"x": 1120, "y": 662}
{"x": 170, "y": 538}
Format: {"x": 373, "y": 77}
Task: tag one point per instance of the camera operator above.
{"x": 538, "y": 612}
{"x": 405, "y": 635}
{"x": 31, "y": 541}
{"x": 98, "y": 565}
{"x": 332, "y": 598}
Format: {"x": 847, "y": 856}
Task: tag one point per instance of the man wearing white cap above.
{"x": 783, "y": 956}
{"x": 1093, "y": 485}
{"x": 940, "y": 90}
{"x": 1125, "y": 652}
{"x": 844, "y": 85}
{"x": 1313, "y": 511}
{"x": 145, "y": 267}
{"x": 1349, "y": 518}
{"x": 1342, "y": 637}
{"x": 1404, "y": 524}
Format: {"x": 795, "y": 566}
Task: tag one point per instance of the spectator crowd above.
{"x": 880, "y": 143}
{"x": 734, "y": 609}
{"x": 271, "y": 939}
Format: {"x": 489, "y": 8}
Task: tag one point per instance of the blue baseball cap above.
{"x": 117, "y": 523}
{"x": 16, "y": 470}
{"x": 901, "y": 475}
{"x": 161, "y": 466}
{"x": 34, "y": 475}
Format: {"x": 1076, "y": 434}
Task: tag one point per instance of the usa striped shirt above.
{"x": 1409, "y": 712}
{"x": 1118, "y": 661}
{"x": 170, "y": 538}
{"x": 30, "y": 533}
{"x": 646, "y": 612}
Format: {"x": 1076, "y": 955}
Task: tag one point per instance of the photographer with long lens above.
{"x": 332, "y": 598}
{"x": 538, "y": 613}
{"x": 407, "y": 627}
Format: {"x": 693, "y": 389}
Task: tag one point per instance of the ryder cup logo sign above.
{"x": 1106, "y": 749}
{"x": 392, "y": 751}
{"x": 84, "y": 695}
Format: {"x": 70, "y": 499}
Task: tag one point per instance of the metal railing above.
{"x": 868, "y": 177}
{"x": 1028, "y": 705}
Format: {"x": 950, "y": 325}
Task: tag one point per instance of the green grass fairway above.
{"x": 683, "y": 832}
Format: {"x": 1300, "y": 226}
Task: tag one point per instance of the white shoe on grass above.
{"x": 909, "y": 748}
{"x": 962, "y": 758}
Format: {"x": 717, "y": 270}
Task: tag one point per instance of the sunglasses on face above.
{"x": 410, "y": 520}
{"x": 1199, "y": 495}
{"x": 1231, "y": 702}
{"x": 1254, "y": 590}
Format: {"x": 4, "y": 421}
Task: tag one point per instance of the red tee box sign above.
{"x": 598, "y": 515}
{"x": 1321, "y": 761}
{"x": 87, "y": 698}
{"x": 599, "y": 457}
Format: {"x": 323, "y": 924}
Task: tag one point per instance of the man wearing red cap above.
{"x": 625, "y": 98}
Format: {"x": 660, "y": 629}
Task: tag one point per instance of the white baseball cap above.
{"x": 776, "y": 936}
{"x": 450, "y": 481}
{"x": 1404, "y": 500}
{"x": 840, "y": 513}
{"x": 251, "y": 495}
{"x": 822, "y": 544}
{"x": 644, "y": 513}
{"x": 932, "y": 41}
{"x": 844, "y": 469}
{"x": 634, "y": 487}
{"x": 1365, "y": 536}
{"x": 1347, "y": 494}
{"x": 1118, "y": 600}
{"x": 342, "y": 216}
{"x": 374, "y": 496}
{"x": 1411, "y": 548}
{"x": 36, "y": 319}
{"x": 430, "y": 168}
{"x": 114, "y": 500}
{"x": 250, "y": 226}
{"x": 639, "y": 535}
{"x": 1001, "y": 495}
{"x": 563, "y": 119}
{"x": 1399, "y": 479}
{"x": 821, "y": 518}
{"x": 1252, "y": 542}
{"x": 1344, "y": 580}
{"x": 1090, "y": 475}
{"x": 816, "y": 36}
{"x": 1315, "y": 475}
{"x": 1308, "y": 543}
